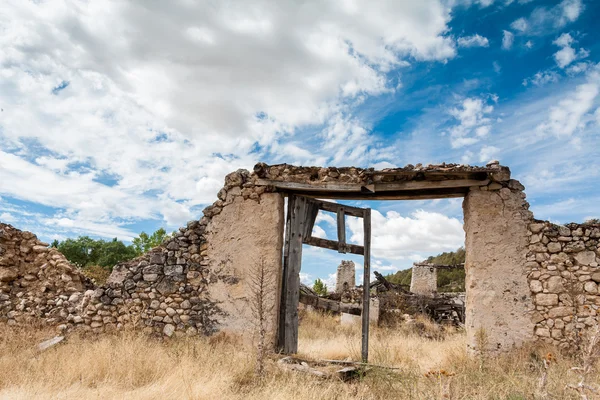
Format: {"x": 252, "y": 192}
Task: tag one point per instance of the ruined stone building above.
{"x": 526, "y": 279}
{"x": 345, "y": 277}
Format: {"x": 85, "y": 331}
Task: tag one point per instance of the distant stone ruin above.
{"x": 525, "y": 279}
{"x": 345, "y": 278}
{"x": 424, "y": 279}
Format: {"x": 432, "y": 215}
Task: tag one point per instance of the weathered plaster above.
{"x": 498, "y": 296}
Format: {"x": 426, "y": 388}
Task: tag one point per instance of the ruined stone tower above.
{"x": 345, "y": 279}
{"x": 424, "y": 279}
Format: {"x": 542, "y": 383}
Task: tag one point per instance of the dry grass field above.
{"x": 131, "y": 366}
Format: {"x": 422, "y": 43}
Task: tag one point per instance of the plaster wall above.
{"x": 499, "y": 302}
{"x": 245, "y": 234}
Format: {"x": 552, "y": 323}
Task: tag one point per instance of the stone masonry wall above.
{"x": 346, "y": 277}
{"x": 193, "y": 283}
{"x": 564, "y": 273}
{"x": 424, "y": 279}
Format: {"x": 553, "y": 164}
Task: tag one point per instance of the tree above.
{"x": 144, "y": 242}
{"x": 320, "y": 288}
{"x": 85, "y": 251}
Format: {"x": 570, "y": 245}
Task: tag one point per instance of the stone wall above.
{"x": 345, "y": 278}
{"x": 499, "y": 302}
{"x": 563, "y": 270}
{"x": 196, "y": 282}
{"x": 423, "y": 279}
{"x": 37, "y": 283}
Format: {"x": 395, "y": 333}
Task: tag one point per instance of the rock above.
{"x": 535, "y": 286}
{"x": 543, "y": 332}
{"x": 555, "y": 284}
{"x": 585, "y": 257}
{"x": 150, "y": 277}
{"x": 559, "y": 312}
{"x": 8, "y": 275}
{"x": 536, "y": 228}
{"x": 596, "y": 277}
{"x": 554, "y": 247}
{"x": 545, "y": 299}
{"x": 591, "y": 287}
{"x": 168, "y": 330}
{"x": 45, "y": 345}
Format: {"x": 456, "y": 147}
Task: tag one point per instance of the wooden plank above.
{"x": 330, "y": 305}
{"x": 341, "y": 230}
{"x": 419, "y": 185}
{"x": 366, "y": 284}
{"x": 292, "y": 293}
{"x": 402, "y": 195}
{"x": 333, "y": 245}
{"x": 281, "y": 334}
{"x": 378, "y": 186}
{"x": 311, "y": 187}
{"x": 334, "y": 207}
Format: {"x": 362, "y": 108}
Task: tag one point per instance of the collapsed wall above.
{"x": 196, "y": 282}
{"x": 37, "y": 283}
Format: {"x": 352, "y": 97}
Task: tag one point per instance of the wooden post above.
{"x": 341, "y": 230}
{"x": 366, "y": 284}
{"x": 284, "y": 275}
{"x": 292, "y": 262}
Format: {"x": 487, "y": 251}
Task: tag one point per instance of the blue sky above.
{"x": 122, "y": 117}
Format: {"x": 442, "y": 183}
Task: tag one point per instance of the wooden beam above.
{"x": 419, "y": 185}
{"x": 333, "y": 245}
{"x": 334, "y": 207}
{"x": 403, "y": 195}
{"x": 409, "y": 185}
{"x": 281, "y": 333}
{"x": 366, "y": 284}
{"x": 341, "y": 230}
{"x": 298, "y": 210}
{"x": 330, "y": 305}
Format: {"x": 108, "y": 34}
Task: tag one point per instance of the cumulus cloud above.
{"x": 544, "y": 20}
{"x": 474, "y": 122}
{"x": 119, "y": 111}
{"x": 542, "y": 78}
{"x": 567, "y": 54}
{"x": 572, "y": 113}
{"x": 507, "y": 40}
{"x": 473, "y": 41}
{"x": 397, "y": 237}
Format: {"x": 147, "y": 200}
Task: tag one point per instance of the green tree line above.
{"x": 448, "y": 280}
{"x": 86, "y": 252}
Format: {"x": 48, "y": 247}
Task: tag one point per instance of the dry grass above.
{"x": 131, "y": 366}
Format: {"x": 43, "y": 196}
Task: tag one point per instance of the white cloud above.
{"x": 7, "y": 217}
{"x": 117, "y": 112}
{"x": 567, "y": 54}
{"x": 529, "y": 44}
{"x": 572, "y": 113}
{"x": 542, "y": 78}
{"x": 473, "y": 41}
{"x": 544, "y": 20}
{"x": 488, "y": 153}
{"x": 519, "y": 25}
{"x": 319, "y": 232}
{"x": 507, "y": 40}
{"x": 395, "y": 237}
{"x": 474, "y": 123}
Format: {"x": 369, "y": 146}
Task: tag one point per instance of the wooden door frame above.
{"x": 301, "y": 215}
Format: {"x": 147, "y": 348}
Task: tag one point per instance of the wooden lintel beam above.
{"x": 404, "y": 190}
{"x": 334, "y": 207}
{"x": 420, "y": 185}
{"x": 334, "y": 245}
